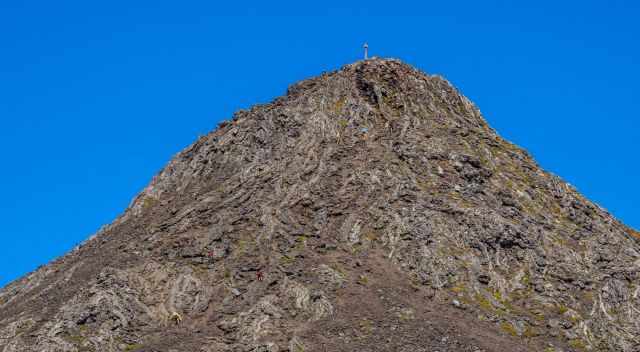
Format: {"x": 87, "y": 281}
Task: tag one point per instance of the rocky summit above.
{"x": 368, "y": 209}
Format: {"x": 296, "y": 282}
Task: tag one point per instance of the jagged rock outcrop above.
{"x": 369, "y": 209}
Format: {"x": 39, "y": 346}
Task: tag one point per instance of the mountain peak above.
{"x": 374, "y": 68}
{"x": 370, "y": 208}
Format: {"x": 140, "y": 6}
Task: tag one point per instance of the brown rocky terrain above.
{"x": 368, "y": 209}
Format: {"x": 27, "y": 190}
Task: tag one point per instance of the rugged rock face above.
{"x": 369, "y": 209}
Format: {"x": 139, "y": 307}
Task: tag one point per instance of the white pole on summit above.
{"x": 366, "y": 51}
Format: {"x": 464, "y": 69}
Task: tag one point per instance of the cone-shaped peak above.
{"x": 370, "y": 208}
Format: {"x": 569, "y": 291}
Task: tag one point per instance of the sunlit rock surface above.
{"x": 368, "y": 209}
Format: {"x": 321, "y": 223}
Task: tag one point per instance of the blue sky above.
{"x": 95, "y": 98}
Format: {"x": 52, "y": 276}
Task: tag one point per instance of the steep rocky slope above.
{"x": 369, "y": 209}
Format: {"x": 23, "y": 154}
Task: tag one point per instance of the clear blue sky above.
{"x": 95, "y": 97}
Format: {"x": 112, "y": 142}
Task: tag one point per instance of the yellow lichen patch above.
{"x": 415, "y": 283}
{"x": 74, "y": 339}
{"x": 301, "y": 242}
{"x": 425, "y": 184}
{"x": 459, "y": 288}
{"x": 497, "y": 295}
{"x": 227, "y": 274}
{"x": 520, "y": 294}
{"x": 530, "y": 332}
{"x": 561, "y": 309}
{"x": 577, "y": 344}
{"x": 357, "y": 248}
{"x": 200, "y": 270}
{"x": 371, "y": 236}
{"x": 508, "y": 328}
{"x": 339, "y": 269}
{"x": 148, "y": 202}
{"x": 339, "y": 105}
{"x": 286, "y": 260}
{"x": 525, "y": 279}
{"x": 588, "y": 295}
{"x": 366, "y": 326}
{"x": 406, "y": 314}
{"x": 483, "y": 302}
